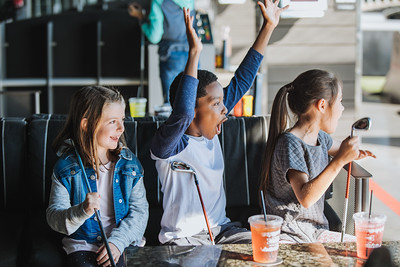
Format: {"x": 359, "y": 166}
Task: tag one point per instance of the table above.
{"x": 315, "y": 254}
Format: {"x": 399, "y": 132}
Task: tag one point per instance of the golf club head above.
{"x": 181, "y": 167}
{"x": 363, "y": 124}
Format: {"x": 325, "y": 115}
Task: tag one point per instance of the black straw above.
{"x": 370, "y": 203}
{"x": 263, "y": 205}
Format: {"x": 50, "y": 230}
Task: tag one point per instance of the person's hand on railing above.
{"x": 365, "y": 153}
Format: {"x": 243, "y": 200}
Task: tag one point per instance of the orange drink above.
{"x": 265, "y": 237}
{"x": 247, "y": 105}
{"x": 369, "y": 232}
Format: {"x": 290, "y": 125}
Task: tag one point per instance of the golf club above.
{"x": 183, "y": 167}
{"x": 103, "y": 234}
{"x": 361, "y": 124}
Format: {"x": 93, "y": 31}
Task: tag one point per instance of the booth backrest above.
{"x": 28, "y": 160}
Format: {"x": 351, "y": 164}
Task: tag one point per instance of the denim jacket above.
{"x": 65, "y": 213}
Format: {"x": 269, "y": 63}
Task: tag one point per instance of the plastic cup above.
{"x": 137, "y": 106}
{"x": 265, "y": 237}
{"x": 247, "y": 105}
{"x": 238, "y": 109}
{"x": 369, "y": 232}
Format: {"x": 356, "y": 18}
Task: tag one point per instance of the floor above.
{"x": 383, "y": 139}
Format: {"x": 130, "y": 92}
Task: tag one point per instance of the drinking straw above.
{"x": 369, "y": 216}
{"x": 263, "y": 205}
{"x": 370, "y": 204}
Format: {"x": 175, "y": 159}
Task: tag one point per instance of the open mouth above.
{"x": 114, "y": 138}
{"x": 219, "y": 126}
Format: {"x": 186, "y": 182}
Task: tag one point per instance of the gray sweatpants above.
{"x": 230, "y": 233}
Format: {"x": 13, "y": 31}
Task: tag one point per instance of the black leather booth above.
{"x": 26, "y": 166}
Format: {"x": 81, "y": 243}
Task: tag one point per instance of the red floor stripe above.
{"x": 385, "y": 197}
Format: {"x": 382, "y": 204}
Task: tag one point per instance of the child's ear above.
{"x": 84, "y": 124}
{"x": 195, "y": 112}
{"x": 322, "y": 105}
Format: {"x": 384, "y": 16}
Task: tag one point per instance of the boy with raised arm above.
{"x": 189, "y": 135}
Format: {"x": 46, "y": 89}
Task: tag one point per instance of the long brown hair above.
{"x": 87, "y": 103}
{"x": 305, "y": 90}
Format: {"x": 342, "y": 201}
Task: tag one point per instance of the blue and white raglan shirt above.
{"x": 183, "y": 214}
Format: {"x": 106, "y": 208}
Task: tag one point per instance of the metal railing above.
{"x": 370, "y": 5}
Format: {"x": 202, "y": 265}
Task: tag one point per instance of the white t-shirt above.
{"x": 183, "y": 215}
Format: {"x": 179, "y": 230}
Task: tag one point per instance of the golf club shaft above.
{"x": 103, "y": 234}
{"x": 346, "y": 202}
{"x": 205, "y": 213}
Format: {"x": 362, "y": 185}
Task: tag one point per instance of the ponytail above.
{"x": 277, "y": 125}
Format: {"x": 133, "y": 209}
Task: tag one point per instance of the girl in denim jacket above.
{"x": 96, "y": 125}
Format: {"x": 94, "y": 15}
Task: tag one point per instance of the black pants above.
{"x": 88, "y": 259}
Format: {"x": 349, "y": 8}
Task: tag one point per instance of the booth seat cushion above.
{"x": 12, "y": 190}
{"x": 41, "y": 246}
{"x": 11, "y": 232}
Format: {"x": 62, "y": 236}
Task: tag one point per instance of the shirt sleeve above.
{"x": 291, "y": 156}
{"x": 132, "y": 227}
{"x": 243, "y": 79}
{"x": 154, "y": 27}
{"x": 169, "y": 139}
{"x": 60, "y": 216}
{"x": 327, "y": 139}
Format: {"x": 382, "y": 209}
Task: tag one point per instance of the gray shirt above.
{"x": 299, "y": 224}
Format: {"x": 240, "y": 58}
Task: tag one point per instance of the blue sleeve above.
{"x": 154, "y": 28}
{"x": 185, "y": 3}
{"x": 243, "y": 79}
{"x": 169, "y": 139}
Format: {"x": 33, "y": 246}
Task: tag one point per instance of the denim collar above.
{"x": 125, "y": 153}
{"x": 67, "y": 152}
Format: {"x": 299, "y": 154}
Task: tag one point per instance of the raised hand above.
{"x": 365, "y": 153}
{"x": 271, "y": 12}
{"x": 135, "y": 10}
{"x": 195, "y": 45}
{"x": 194, "y": 41}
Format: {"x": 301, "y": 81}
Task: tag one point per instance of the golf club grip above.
{"x": 205, "y": 214}
{"x": 346, "y": 202}
{"x": 103, "y": 235}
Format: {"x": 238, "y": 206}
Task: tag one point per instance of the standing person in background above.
{"x": 165, "y": 26}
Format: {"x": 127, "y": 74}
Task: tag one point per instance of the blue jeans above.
{"x": 170, "y": 68}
